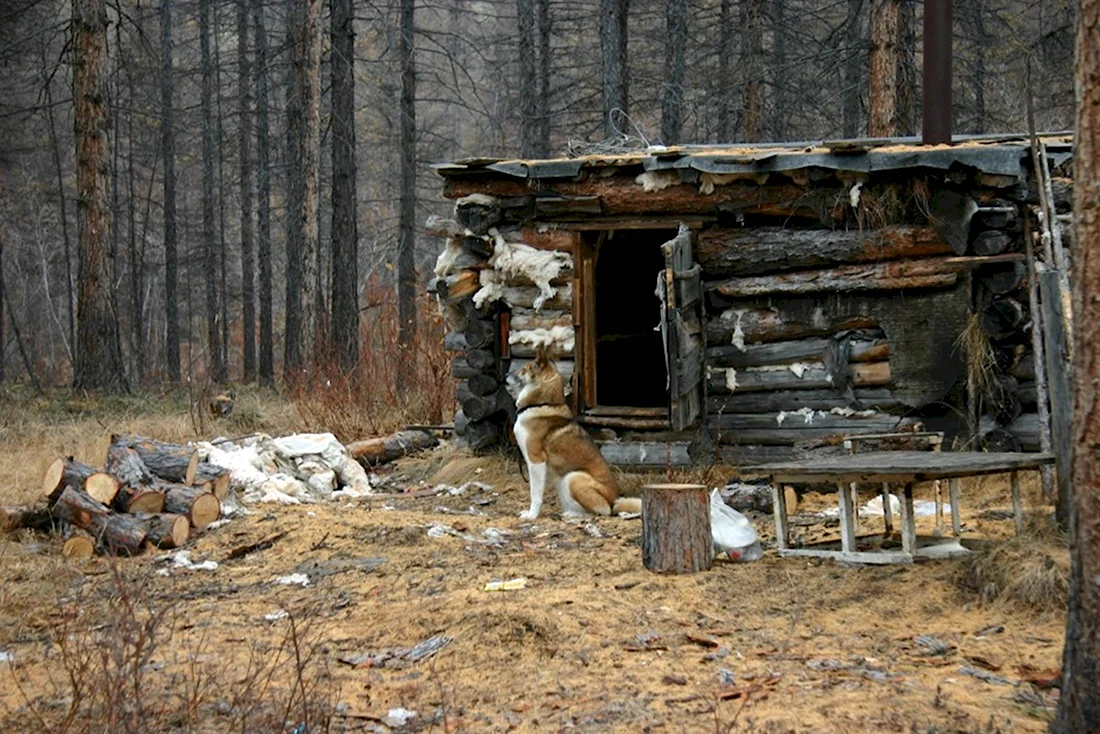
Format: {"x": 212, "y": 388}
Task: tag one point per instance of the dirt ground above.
{"x": 592, "y": 643}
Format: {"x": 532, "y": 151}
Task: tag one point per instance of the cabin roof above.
{"x": 1003, "y": 155}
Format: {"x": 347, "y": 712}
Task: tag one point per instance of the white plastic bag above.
{"x": 734, "y": 536}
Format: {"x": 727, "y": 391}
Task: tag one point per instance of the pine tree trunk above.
{"x": 852, "y": 71}
{"x": 406, "y": 242}
{"x": 99, "y": 349}
{"x": 676, "y": 535}
{"x": 542, "y": 106}
{"x": 725, "y": 66}
{"x": 908, "y": 101}
{"x": 3, "y": 340}
{"x": 307, "y": 73}
{"x": 672, "y": 93}
{"x": 780, "y": 78}
{"x": 263, "y": 195}
{"x": 752, "y": 64}
{"x": 248, "y": 276}
{"x": 168, "y": 151}
{"x": 1079, "y": 706}
{"x": 528, "y": 85}
{"x": 345, "y": 228}
{"x": 613, "y": 37}
{"x": 885, "y": 25}
{"x": 222, "y": 373}
{"x": 209, "y": 233}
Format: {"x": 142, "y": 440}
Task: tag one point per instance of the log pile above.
{"x": 150, "y": 494}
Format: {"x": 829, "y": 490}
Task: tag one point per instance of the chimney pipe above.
{"x": 936, "y": 105}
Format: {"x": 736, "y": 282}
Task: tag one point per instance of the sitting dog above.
{"x": 559, "y": 453}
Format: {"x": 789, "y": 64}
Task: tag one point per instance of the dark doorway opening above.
{"x": 630, "y": 360}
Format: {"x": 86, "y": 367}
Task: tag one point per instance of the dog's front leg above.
{"x": 537, "y": 473}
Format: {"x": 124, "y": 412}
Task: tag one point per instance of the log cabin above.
{"x": 754, "y": 303}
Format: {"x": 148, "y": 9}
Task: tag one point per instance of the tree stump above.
{"x": 676, "y": 528}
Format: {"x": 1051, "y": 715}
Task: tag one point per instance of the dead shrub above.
{"x": 514, "y": 631}
{"x": 1030, "y": 571}
{"x": 368, "y": 401}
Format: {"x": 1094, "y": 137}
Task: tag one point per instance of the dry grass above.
{"x": 1029, "y": 572}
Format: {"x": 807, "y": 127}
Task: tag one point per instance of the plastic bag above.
{"x": 734, "y": 537}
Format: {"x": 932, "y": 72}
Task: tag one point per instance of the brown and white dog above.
{"x": 559, "y": 453}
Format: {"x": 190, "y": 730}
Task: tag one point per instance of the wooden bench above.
{"x": 890, "y": 467}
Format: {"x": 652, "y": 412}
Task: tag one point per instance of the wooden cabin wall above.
{"x": 833, "y": 307}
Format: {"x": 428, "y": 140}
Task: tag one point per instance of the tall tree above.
{"x": 223, "y": 247}
{"x": 528, "y": 79}
{"x": 780, "y": 76}
{"x": 263, "y": 195}
{"x": 672, "y": 92}
{"x": 885, "y": 27}
{"x": 542, "y": 105}
{"x": 3, "y": 341}
{"x": 907, "y": 101}
{"x": 99, "y": 344}
{"x": 209, "y": 203}
{"x": 725, "y": 70}
{"x": 613, "y": 44}
{"x": 345, "y": 216}
{"x": 1079, "y": 705}
{"x": 406, "y": 235}
{"x": 304, "y": 141}
{"x": 851, "y": 69}
{"x": 752, "y": 62}
{"x": 248, "y": 275}
{"x": 168, "y": 151}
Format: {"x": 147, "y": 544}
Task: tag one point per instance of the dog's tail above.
{"x": 627, "y": 504}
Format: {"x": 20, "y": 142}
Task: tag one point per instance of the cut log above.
{"x": 676, "y": 535}
{"x": 482, "y": 360}
{"x": 375, "y": 451}
{"x": 622, "y": 195}
{"x": 14, "y": 518}
{"x": 758, "y": 355}
{"x": 998, "y": 215}
{"x": 477, "y": 212}
{"x": 480, "y": 333}
{"x": 526, "y": 350}
{"x": 217, "y": 477}
{"x": 1001, "y": 278}
{"x": 170, "y": 461}
{"x": 1024, "y": 369}
{"x": 725, "y": 252}
{"x": 1028, "y": 395}
{"x": 1026, "y": 430}
{"x": 165, "y": 530}
{"x": 879, "y": 422}
{"x": 462, "y": 284}
{"x": 461, "y": 424}
{"x": 525, "y": 319}
{"x": 64, "y": 472}
{"x": 640, "y": 453}
{"x": 482, "y": 384}
{"x": 950, "y": 212}
{"x": 480, "y": 407}
{"x": 78, "y": 545}
{"x": 791, "y": 400}
{"x": 799, "y": 376}
{"x": 116, "y": 534}
{"x": 139, "y": 499}
{"x": 768, "y": 325}
{"x": 523, "y": 296}
{"x": 197, "y": 504}
{"x": 893, "y": 275}
{"x": 992, "y": 242}
{"x": 794, "y": 432}
{"x": 1003, "y": 318}
{"x": 454, "y": 341}
{"x": 101, "y": 487}
{"x": 481, "y": 435}
{"x": 124, "y": 464}
{"x": 1000, "y": 440}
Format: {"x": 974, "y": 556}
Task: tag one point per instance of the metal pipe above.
{"x": 936, "y": 106}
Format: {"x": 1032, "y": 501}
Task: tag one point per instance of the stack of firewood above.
{"x": 149, "y": 494}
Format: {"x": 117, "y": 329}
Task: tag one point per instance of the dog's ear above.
{"x": 542, "y": 354}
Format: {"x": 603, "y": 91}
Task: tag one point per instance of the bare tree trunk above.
{"x": 885, "y": 24}
{"x": 672, "y": 93}
{"x": 972, "y": 19}
{"x": 263, "y": 194}
{"x": 248, "y": 281}
{"x": 303, "y": 212}
{"x": 168, "y": 151}
{"x": 725, "y": 69}
{"x": 852, "y": 71}
{"x": 779, "y": 74}
{"x": 209, "y": 233}
{"x": 345, "y": 217}
{"x": 542, "y": 107}
{"x": 99, "y": 347}
{"x": 66, "y": 240}
{"x": 528, "y": 83}
{"x": 406, "y": 237}
{"x": 752, "y": 63}
{"x": 133, "y": 254}
{"x": 223, "y": 248}
{"x": 613, "y": 38}
{"x": 1079, "y": 705}
{"x": 295, "y": 193}
{"x": 906, "y": 122}
{"x": 3, "y": 341}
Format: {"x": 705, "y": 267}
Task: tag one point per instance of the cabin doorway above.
{"x": 630, "y": 356}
